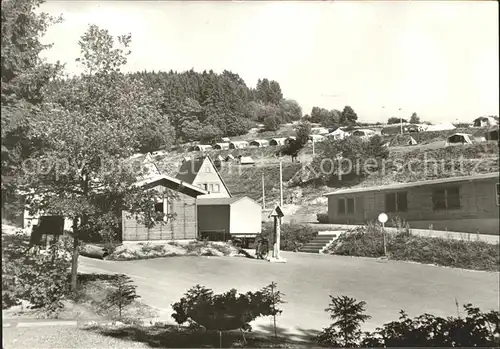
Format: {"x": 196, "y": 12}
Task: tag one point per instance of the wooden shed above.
{"x": 182, "y": 227}
{"x": 226, "y": 218}
{"x": 462, "y": 204}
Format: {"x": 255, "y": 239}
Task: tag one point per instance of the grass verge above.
{"x": 171, "y": 336}
{"x": 367, "y": 241}
{"x": 171, "y": 249}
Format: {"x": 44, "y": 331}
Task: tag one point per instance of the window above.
{"x": 205, "y": 186}
{"x": 498, "y": 194}
{"x": 159, "y": 207}
{"x": 350, "y": 205}
{"x": 341, "y": 206}
{"x": 345, "y": 206}
{"x": 207, "y": 169}
{"x": 446, "y": 199}
{"x": 396, "y": 202}
{"x": 216, "y": 188}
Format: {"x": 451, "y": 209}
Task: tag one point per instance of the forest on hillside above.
{"x": 201, "y": 106}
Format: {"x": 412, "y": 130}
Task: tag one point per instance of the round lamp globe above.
{"x": 382, "y": 218}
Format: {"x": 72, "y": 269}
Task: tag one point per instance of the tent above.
{"x": 202, "y": 147}
{"x": 246, "y": 160}
{"x": 259, "y": 143}
{"x": 277, "y": 141}
{"x": 221, "y": 146}
{"x": 238, "y": 144}
{"x": 338, "y": 134}
{"x": 459, "y": 138}
{"x": 440, "y": 127}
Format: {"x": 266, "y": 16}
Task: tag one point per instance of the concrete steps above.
{"x": 320, "y": 242}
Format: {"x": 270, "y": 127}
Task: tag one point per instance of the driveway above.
{"x": 307, "y": 280}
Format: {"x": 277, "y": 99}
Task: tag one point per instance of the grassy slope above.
{"x": 243, "y": 180}
{"x": 368, "y": 242}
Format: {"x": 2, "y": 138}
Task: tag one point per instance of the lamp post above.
{"x": 382, "y": 218}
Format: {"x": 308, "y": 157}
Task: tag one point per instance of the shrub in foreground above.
{"x": 476, "y": 329}
{"x": 33, "y": 274}
{"x": 226, "y": 311}
{"x": 367, "y": 241}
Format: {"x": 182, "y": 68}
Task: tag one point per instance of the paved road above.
{"x": 307, "y": 280}
{"x": 52, "y": 337}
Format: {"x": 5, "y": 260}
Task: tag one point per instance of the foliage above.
{"x": 476, "y": 329}
{"x": 327, "y": 118}
{"x": 275, "y": 295}
{"x": 122, "y": 293}
{"x": 294, "y": 146}
{"x": 467, "y": 253}
{"x": 351, "y": 157}
{"x": 290, "y": 110}
{"x": 226, "y": 311}
{"x": 348, "y": 116}
{"x": 395, "y": 120}
{"x": 92, "y": 123}
{"x": 347, "y": 315}
{"x": 24, "y": 76}
{"x": 322, "y": 217}
{"x": 414, "y": 119}
{"x": 271, "y": 123}
{"x": 32, "y": 274}
{"x": 293, "y": 236}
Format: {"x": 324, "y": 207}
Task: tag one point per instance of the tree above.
{"x": 347, "y": 315}
{"x": 290, "y": 110}
{"x": 271, "y": 292}
{"x": 303, "y": 132}
{"x": 414, "y": 119}
{"x": 79, "y": 173}
{"x": 272, "y": 123}
{"x": 394, "y": 120}
{"x": 24, "y": 77}
{"x": 122, "y": 293}
{"x": 348, "y": 116}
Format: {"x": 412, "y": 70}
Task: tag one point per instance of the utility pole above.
{"x": 263, "y": 194}
{"x": 401, "y": 120}
{"x": 281, "y": 183}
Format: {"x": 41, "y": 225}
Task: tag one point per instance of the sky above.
{"x": 438, "y": 59}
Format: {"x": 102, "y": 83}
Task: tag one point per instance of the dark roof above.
{"x": 222, "y": 201}
{"x": 189, "y": 169}
{"x": 415, "y": 184}
{"x": 217, "y": 201}
{"x": 171, "y": 183}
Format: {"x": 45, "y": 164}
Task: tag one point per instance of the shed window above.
{"x": 446, "y": 199}
{"x": 345, "y": 206}
{"x": 341, "y": 206}
{"x": 205, "y": 186}
{"x": 216, "y": 188}
{"x": 396, "y": 202}
{"x": 159, "y": 207}
{"x": 350, "y": 205}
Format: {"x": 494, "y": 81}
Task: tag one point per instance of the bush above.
{"x": 476, "y": 329}
{"x": 226, "y": 311}
{"x": 367, "y": 241}
{"x": 293, "y": 236}
{"x": 322, "y": 218}
{"x": 345, "y": 331}
{"x": 33, "y": 274}
{"x": 122, "y": 293}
